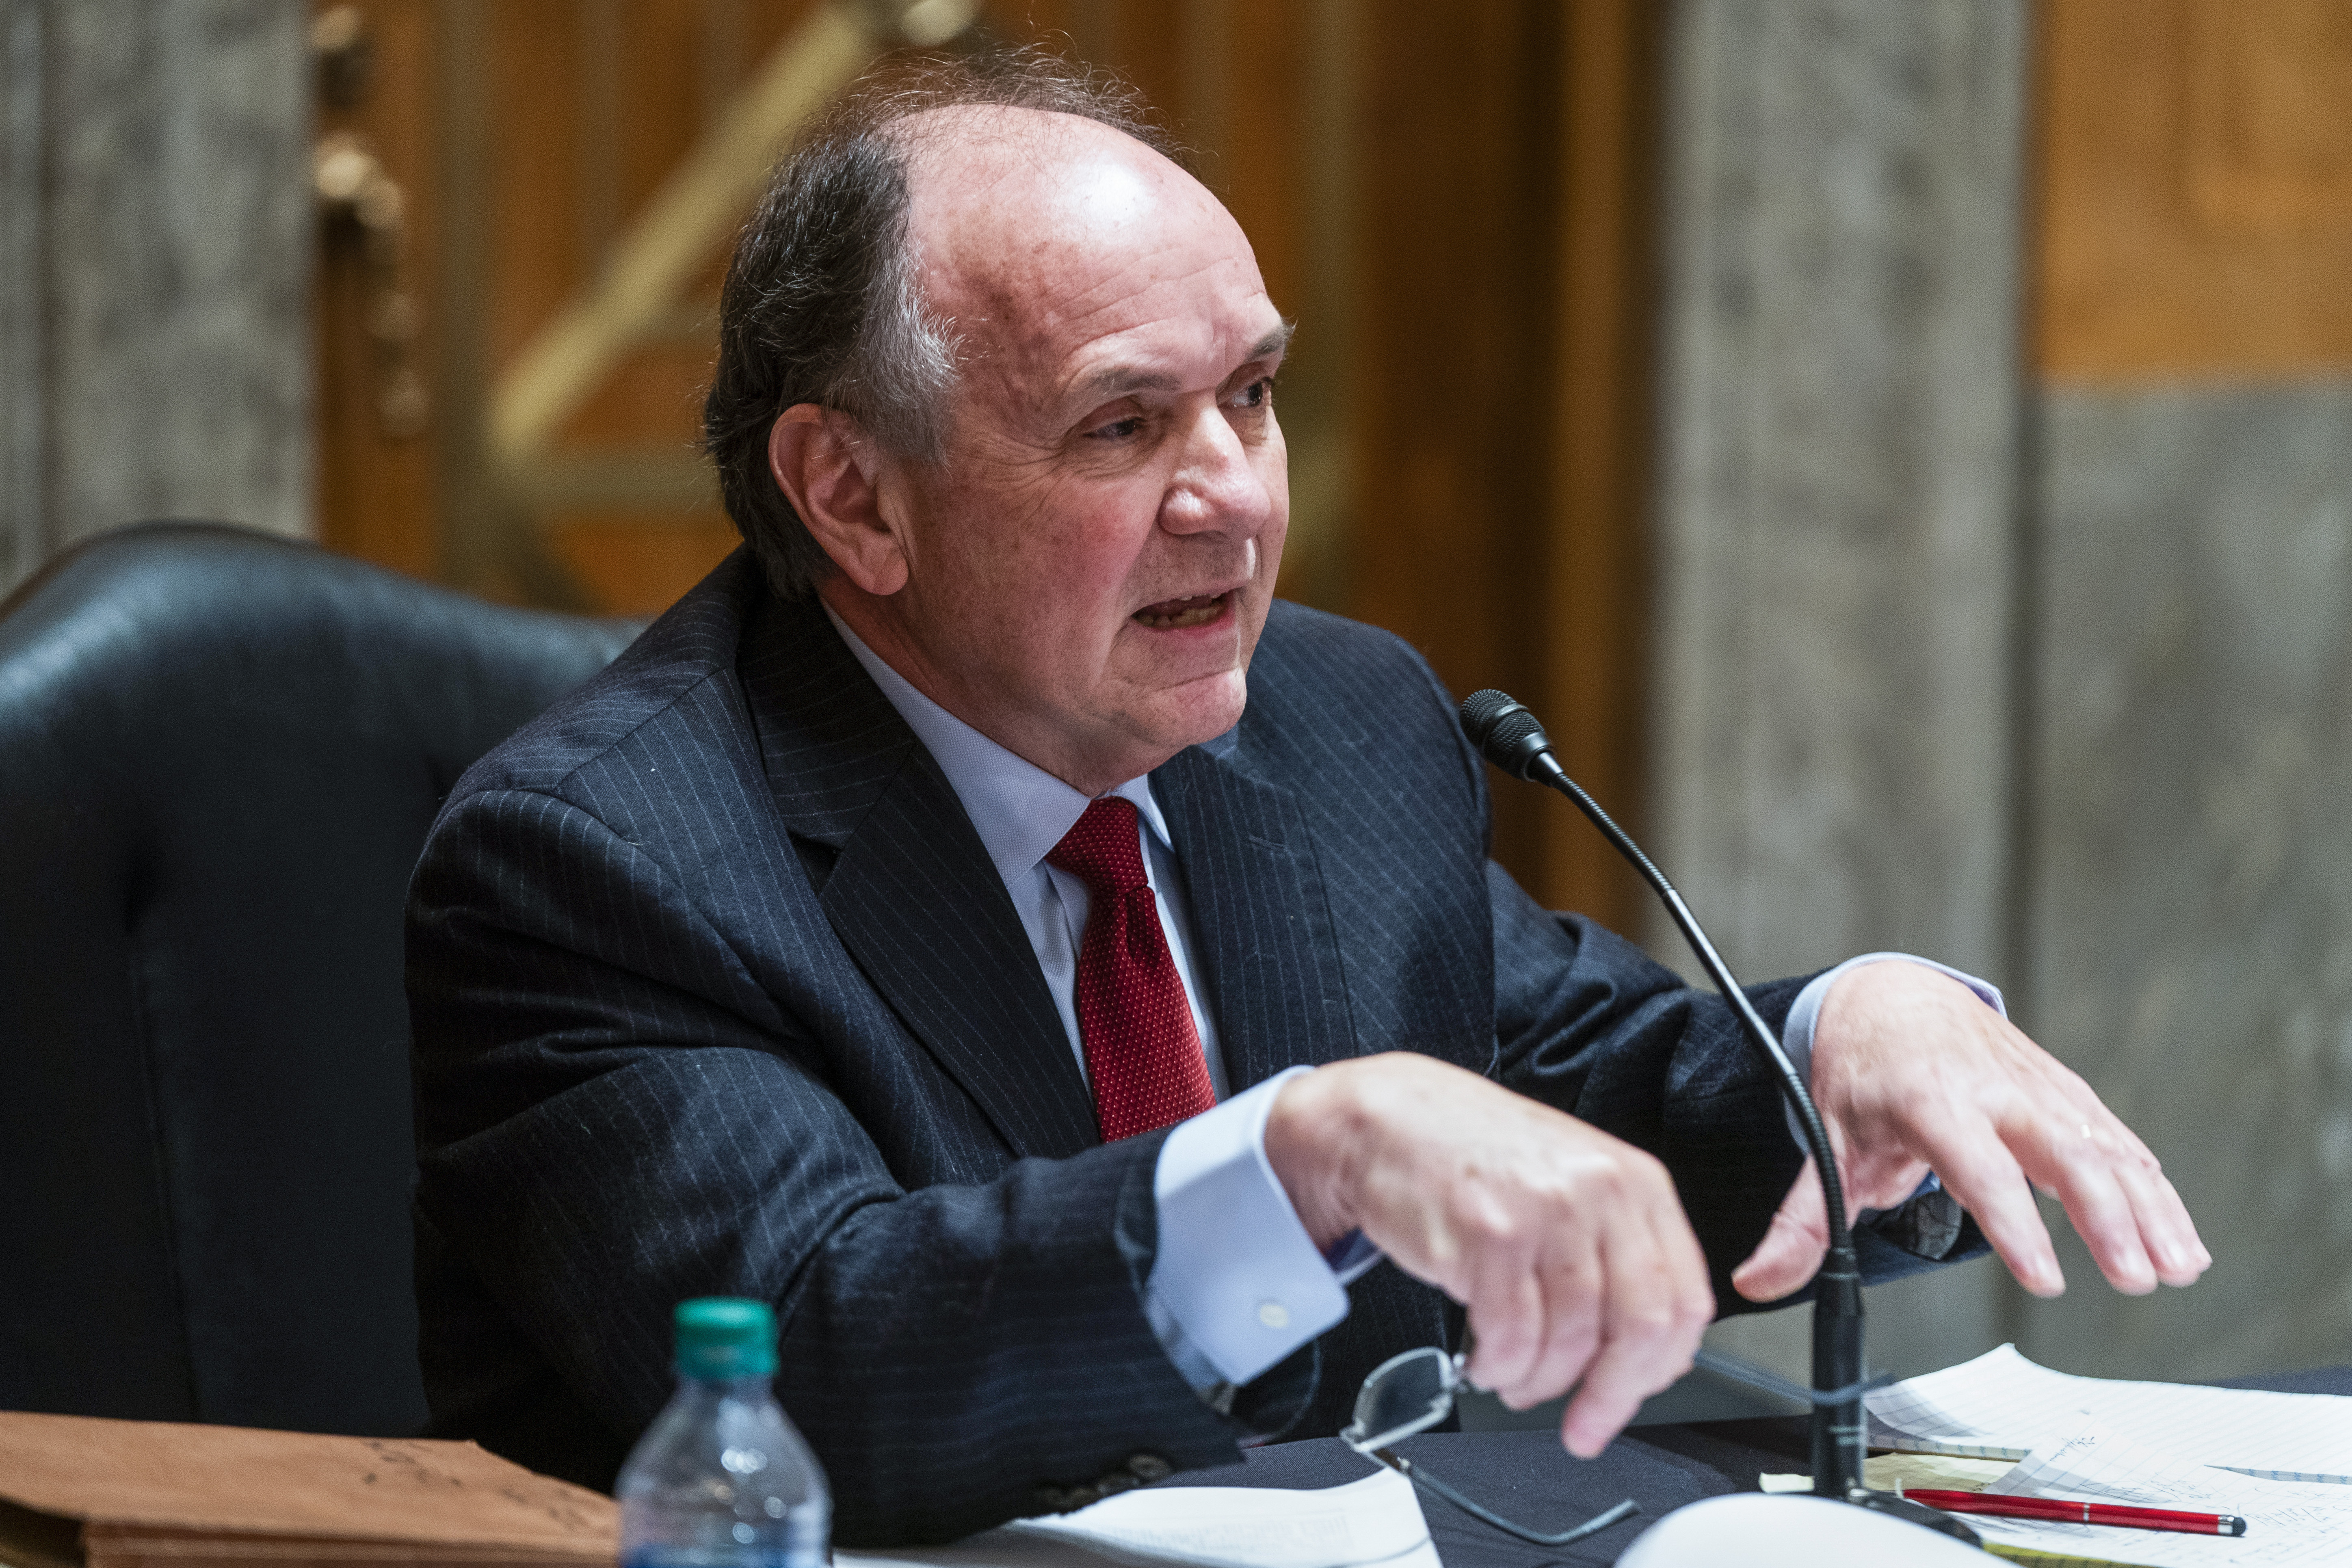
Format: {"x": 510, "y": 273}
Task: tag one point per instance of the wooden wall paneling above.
{"x": 1284, "y": 165}
{"x": 515, "y": 125}
{"x": 472, "y": 522}
{"x": 1260, "y": 123}
{"x": 2196, "y": 189}
{"x": 622, "y": 521}
{"x": 1447, "y": 543}
{"x": 1597, "y": 654}
{"x": 379, "y": 492}
{"x": 546, "y": 187}
{"x": 636, "y": 539}
{"x": 537, "y": 71}
{"x": 1316, "y": 263}
{"x": 524, "y": 136}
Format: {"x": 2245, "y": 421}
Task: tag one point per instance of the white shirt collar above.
{"x": 1019, "y": 809}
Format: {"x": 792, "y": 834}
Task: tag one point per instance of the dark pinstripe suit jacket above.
{"x": 715, "y": 991}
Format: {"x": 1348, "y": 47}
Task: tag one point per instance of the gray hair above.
{"x": 821, "y": 304}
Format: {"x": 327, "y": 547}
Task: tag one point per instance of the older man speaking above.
{"x": 1069, "y": 983}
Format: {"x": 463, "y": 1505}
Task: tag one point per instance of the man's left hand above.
{"x": 1912, "y": 1072}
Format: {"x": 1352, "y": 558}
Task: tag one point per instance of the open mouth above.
{"x": 1174, "y": 614}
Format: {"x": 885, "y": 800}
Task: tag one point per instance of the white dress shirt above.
{"x": 1237, "y": 1284}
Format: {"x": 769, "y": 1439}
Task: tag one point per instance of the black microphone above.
{"x": 1514, "y": 739}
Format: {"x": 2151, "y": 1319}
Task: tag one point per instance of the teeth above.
{"x": 1194, "y": 612}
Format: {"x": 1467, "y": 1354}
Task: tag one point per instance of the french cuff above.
{"x": 1237, "y": 1284}
{"x": 1936, "y": 1220}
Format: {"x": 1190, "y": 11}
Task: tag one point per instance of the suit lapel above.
{"x": 1260, "y": 917}
{"x": 912, "y": 894}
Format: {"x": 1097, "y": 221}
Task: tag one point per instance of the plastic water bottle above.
{"x": 721, "y": 1479}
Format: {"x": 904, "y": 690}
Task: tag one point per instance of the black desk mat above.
{"x": 1528, "y": 1476}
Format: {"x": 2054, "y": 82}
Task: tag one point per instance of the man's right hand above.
{"x": 1568, "y": 1246}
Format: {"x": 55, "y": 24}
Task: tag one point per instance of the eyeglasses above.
{"x": 1413, "y": 1391}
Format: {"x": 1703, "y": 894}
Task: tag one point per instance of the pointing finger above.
{"x": 2072, "y": 1160}
{"x": 1572, "y": 1288}
{"x": 1978, "y": 1169}
{"x": 2173, "y": 1245}
{"x": 1506, "y": 1321}
{"x": 1645, "y": 1344}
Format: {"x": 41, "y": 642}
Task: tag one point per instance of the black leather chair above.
{"x": 219, "y": 753}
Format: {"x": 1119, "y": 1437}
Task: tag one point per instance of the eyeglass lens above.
{"x": 1405, "y": 1394}
{"x": 1413, "y": 1391}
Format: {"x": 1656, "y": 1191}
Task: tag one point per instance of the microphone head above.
{"x": 1479, "y": 712}
{"x": 1498, "y": 725}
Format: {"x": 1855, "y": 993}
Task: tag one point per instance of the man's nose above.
{"x": 1218, "y": 487}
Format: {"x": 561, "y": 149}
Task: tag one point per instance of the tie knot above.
{"x": 1102, "y": 851}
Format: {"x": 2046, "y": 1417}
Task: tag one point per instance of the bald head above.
{"x": 1033, "y": 232}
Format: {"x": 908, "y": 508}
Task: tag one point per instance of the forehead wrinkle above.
{"x": 1019, "y": 339}
{"x": 1115, "y": 379}
{"x": 1023, "y": 301}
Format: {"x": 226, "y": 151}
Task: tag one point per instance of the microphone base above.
{"x": 1839, "y": 1431}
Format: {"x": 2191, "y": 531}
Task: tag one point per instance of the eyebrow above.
{"x": 1117, "y": 380}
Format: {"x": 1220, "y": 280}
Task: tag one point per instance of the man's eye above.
{"x": 1256, "y": 394}
{"x": 1118, "y": 429}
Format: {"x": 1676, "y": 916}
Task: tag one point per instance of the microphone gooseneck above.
{"x": 1514, "y": 739}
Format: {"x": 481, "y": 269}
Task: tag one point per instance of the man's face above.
{"x": 1091, "y": 567}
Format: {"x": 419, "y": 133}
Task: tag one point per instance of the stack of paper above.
{"x": 2283, "y": 1462}
{"x": 141, "y": 1494}
{"x": 2286, "y": 1521}
{"x": 2002, "y": 1405}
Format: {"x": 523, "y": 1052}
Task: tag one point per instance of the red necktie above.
{"x": 1142, "y": 1055}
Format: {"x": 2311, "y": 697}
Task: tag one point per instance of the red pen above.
{"x": 2063, "y": 1511}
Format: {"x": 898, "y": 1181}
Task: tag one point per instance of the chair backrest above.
{"x": 219, "y": 754}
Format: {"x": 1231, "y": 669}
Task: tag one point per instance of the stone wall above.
{"x": 1836, "y": 513}
{"x": 2190, "y": 825}
{"x": 156, "y": 241}
{"x": 2054, "y": 684}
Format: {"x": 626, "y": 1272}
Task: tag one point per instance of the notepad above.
{"x": 1374, "y": 1521}
{"x": 2288, "y": 1523}
{"x": 2002, "y": 1405}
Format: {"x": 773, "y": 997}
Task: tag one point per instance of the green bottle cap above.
{"x": 726, "y": 1337}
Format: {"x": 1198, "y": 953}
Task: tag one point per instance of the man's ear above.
{"x": 828, "y": 473}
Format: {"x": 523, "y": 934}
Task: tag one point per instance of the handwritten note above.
{"x": 2288, "y": 1523}
{"x": 2002, "y": 1405}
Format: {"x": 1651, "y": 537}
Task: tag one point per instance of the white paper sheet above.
{"x": 1375, "y": 1521}
{"x": 2288, "y": 1523}
{"x": 2002, "y": 1405}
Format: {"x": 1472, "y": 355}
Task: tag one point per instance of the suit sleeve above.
{"x": 612, "y": 1116}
